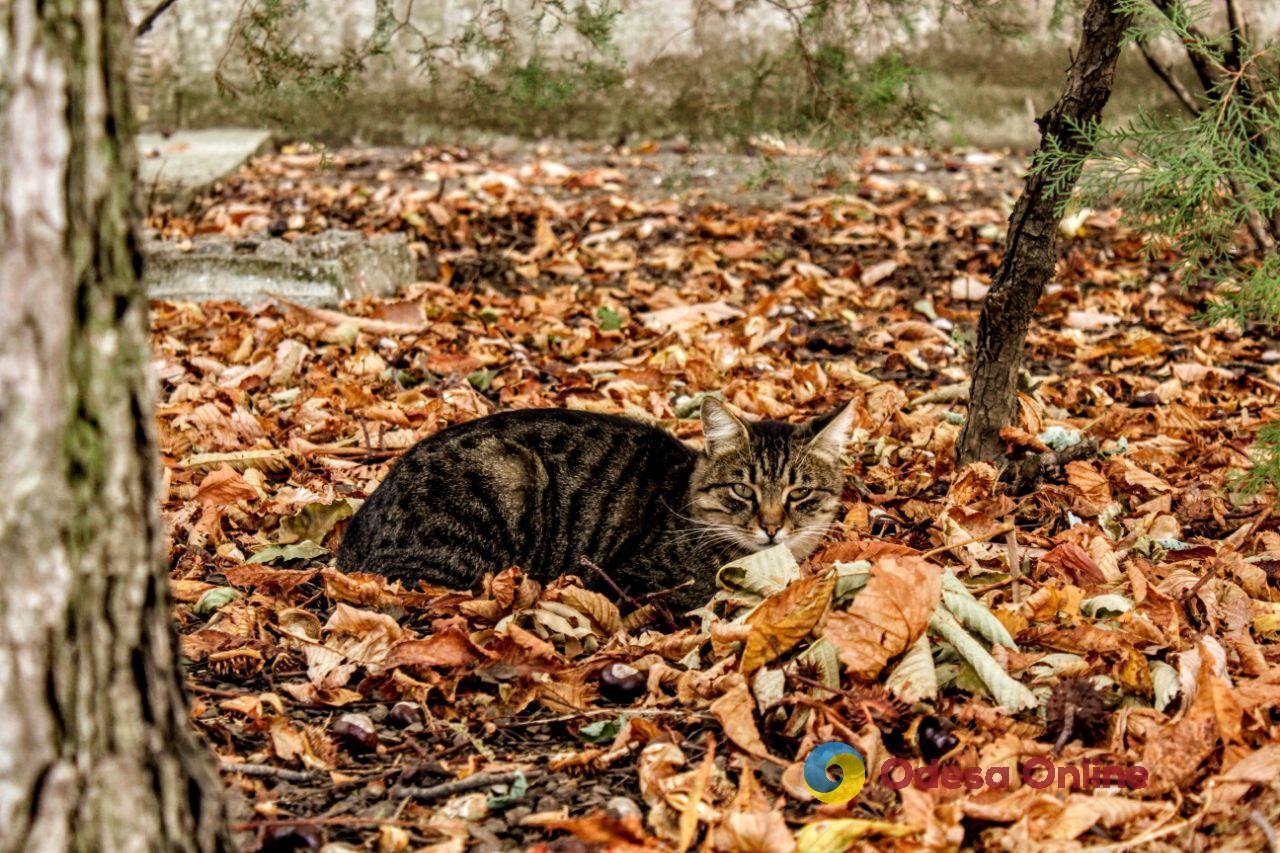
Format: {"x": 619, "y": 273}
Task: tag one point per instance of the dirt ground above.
{"x": 630, "y": 281}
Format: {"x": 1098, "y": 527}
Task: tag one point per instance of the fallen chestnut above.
{"x": 934, "y": 738}
{"x": 404, "y": 714}
{"x": 356, "y": 732}
{"x": 290, "y": 837}
{"x": 621, "y": 683}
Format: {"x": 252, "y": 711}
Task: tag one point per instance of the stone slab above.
{"x": 322, "y": 269}
{"x": 190, "y": 159}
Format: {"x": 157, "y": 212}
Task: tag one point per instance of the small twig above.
{"x": 1068, "y": 725}
{"x": 217, "y": 692}
{"x": 632, "y": 602}
{"x": 986, "y": 537}
{"x": 662, "y": 593}
{"x": 1015, "y": 563}
{"x": 825, "y": 711}
{"x": 1256, "y": 225}
{"x": 458, "y": 786}
{"x": 859, "y": 701}
{"x": 1256, "y": 818}
{"x": 246, "y": 769}
{"x": 586, "y": 563}
{"x": 1191, "y": 41}
{"x": 1191, "y": 593}
{"x": 608, "y": 712}
{"x": 346, "y": 820}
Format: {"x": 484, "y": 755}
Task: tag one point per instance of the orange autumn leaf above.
{"x": 887, "y": 616}
{"x": 1092, "y": 484}
{"x": 1074, "y": 562}
{"x": 784, "y": 619}
{"x": 224, "y": 485}
{"x": 450, "y": 647}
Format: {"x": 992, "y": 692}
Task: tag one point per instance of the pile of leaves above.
{"x": 1124, "y": 611}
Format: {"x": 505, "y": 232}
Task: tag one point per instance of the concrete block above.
{"x": 322, "y": 269}
{"x": 173, "y": 166}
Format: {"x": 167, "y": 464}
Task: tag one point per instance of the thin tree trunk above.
{"x": 1030, "y": 253}
{"x": 96, "y": 747}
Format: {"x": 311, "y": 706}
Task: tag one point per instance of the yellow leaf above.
{"x": 689, "y": 814}
{"x": 837, "y": 836}
{"x": 1134, "y": 673}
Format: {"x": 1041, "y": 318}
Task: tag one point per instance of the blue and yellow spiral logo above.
{"x": 850, "y": 779}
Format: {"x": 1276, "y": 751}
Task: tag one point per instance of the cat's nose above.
{"x": 771, "y": 530}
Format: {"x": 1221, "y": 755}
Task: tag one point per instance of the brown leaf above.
{"x": 1261, "y": 766}
{"x": 1174, "y": 755}
{"x": 689, "y": 814}
{"x": 223, "y": 486}
{"x": 603, "y": 612}
{"x": 188, "y": 591}
{"x": 450, "y": 647}
{"x": 1090, "y": 482}
{"x": 1017, "y": 437}
{"x": 531, "y": 642}
{"x": 758, "y": 831}
{"x": 974, "y": 483}
{"x": 867, "y": 549}
{"x": 357, "y": 638}
{"x": 267, "y": 579}
{"x": 887, "y": 616}
{"x": 1220, "y": 699}
{"x": 1135, "y": 476}
{"x": 624, "y": 834}
{"x": 735, "y": 711}
{"x": 1074, "y": 562}
{"x": 359, "y": 588}
{"x": 784, "y": 619}
{"x": 1084, "y": 638}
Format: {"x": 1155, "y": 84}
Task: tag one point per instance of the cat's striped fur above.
{"x": 542, "y": 488}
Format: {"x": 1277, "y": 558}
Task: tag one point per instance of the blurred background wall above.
{"x": 692, "y": 68}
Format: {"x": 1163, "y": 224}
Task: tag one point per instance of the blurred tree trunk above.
{"x": 1030, "y": 251}
{"x": 97, "y": 751}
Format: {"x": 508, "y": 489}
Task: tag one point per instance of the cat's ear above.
{"x": 722, "y": 430}
{"x": 831, "y": 433}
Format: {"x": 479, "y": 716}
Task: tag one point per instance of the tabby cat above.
{"x": 542, "y": 488}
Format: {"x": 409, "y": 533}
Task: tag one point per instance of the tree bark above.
{"x": 96, "y": 747}
{"x": 1030, "y": 251}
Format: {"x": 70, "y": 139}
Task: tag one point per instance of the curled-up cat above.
{"x": 543, "y": 488}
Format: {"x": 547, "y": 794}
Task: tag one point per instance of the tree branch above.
{"x": 1257, "y": 225}
{"x": 1030, "y": 251}
{"x": 1165, "y": 73}
{"x": 1235, "y": 55}
{"x": 458, "y": 786}
{"x": 149, "y": 19}
{"x": 1198, "y": 60}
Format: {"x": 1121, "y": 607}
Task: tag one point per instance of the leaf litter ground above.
{"x": 1138, "y": 625}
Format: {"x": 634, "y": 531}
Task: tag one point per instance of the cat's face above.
{"x": 764, "y": 483}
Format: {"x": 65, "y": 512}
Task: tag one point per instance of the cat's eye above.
{"x": 742, "y": 490}
{"x": 797, "y": 495}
